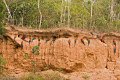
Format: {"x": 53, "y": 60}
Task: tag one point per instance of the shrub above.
{"x": 8, "y": 78}
{"x": 53, "y": 76}
{"x": 2, "y": 63}
{"x": 33, "y": 63}
{"x": 35, "y": 50}
{"x": 32, "y": 77}
{"x": 2, "y": 30}
{"x": 26, "y": 56}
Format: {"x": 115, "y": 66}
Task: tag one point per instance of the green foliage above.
{"x": 2, "y": 63}
{"x": 35, "y": 50}
{"x": 53, "y": 76}
{"x": 2, "y": 30}
{"x": 1, "y": 7}
{"x": 46, "y": 76}
{"x": 33, "y": 63}
{"x": 8, "y": 78}
{"x": 26, "y": 56}
{"x": 33, "y": 77}
{"x": 80, "y": 13}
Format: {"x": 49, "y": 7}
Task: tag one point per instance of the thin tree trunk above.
{"x": 91, "y": 14}
{"x": 61, "y": 17}
{"x": 68, "y": 10}
{"x": 112, "y": 10}
{"x": 22, "y": 20}
{"x": 40, "y": 20}
{"x": 7, "y": 9}
{"x": 111, "y": 13}
{"x": 64, "y": 17}
{"x": 68, "y": 16}
{"x": 40, "y": 14}
{"x": 14, "y": 17}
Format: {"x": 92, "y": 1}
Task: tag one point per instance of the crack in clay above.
{"x": 85, "y": 41}
{"x": 75, "y": 41}
{"x": 69, "y": 43}
{"x": 114, "y": 46}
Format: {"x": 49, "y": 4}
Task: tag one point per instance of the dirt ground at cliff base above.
{"x": 97, "y": 74}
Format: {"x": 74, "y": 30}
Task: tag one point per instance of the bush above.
{"x": 32, "y": 77}
{"x": 2, "y": 63}
{"x": 53, "y": 76}
{"x": 35, "y": 50}
{"x": 26, "y": 56}
{"x": 8, "y": 78}
{"x": 2, "y": 30}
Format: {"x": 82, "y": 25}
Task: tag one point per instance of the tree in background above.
{"x": 102, "y": 15}
{"x": 2, "y": 30}
{"x": 9, "y": 13}
{"x": 40, "y": 20}
{"x": 65, "y": 12}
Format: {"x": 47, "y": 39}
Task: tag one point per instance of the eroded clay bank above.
{"x": 64, "y": 49}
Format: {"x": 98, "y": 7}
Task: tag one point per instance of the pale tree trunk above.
{"x": 14, "y": 16}
{"x": 91, "y": 13}
{"x": 111, "y": 13}
{"x": 61, "y": 17}
{"x": 68, "y": 14}
{"x": 10, "y": 16}
{"x": 14, "y": 21}
{"x": 64, "y": 15}
{"x": 23, "y": 14}
{"x": 40, "y": 14}
{"x": 112, "y": 10}
{"x": 22, "y": 20}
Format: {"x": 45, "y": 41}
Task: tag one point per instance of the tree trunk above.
{"x": 64, "y": 16}
{"x": 91, "y": 14}
{"x": 68, "y": 16}
{"x": 61, "y": 17}
{"x": 7, "y": 9}
{"x": 40, "y": 14}
{"x": 112, "y": 11}
{"x": 22, "y": 19}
